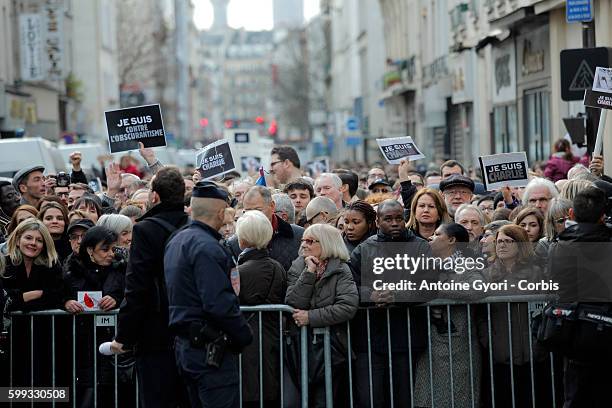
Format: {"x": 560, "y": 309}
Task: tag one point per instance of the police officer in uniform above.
{"x": 204, "y": 311}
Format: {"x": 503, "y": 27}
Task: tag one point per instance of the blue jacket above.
{"x": 197, "y": 268}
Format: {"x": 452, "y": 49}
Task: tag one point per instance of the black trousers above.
{"x": 380, "y": 379}
{"x": 587, "y": 384}
{"x": 158, "y": 383}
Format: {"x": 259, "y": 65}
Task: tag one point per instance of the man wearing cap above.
{"x": 380, "y": 186}
{"x": 9, "y": 201}
{"x": 457, "y": 190}
{"x": 204, "y": 310}
{"x": 30, "y": 183}
{"x": 320, "y": 211}
{"x": 76, "y": 231}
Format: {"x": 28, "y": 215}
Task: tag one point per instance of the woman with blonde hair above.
{"x": 322, "y": 291}
{"x": 427, "y": 212}
{"x": 32, "y": 281}
{"x": 573, "y": 187}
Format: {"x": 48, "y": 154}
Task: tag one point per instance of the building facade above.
{"x": 479, "y": 77}
{"x": 36, "y": 90}
{"x": 357, "y": 68}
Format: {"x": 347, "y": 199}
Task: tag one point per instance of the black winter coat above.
{"x": 15, "y": 282}
{"x": 579, "y": 262}
{"x": 370, "y": 248}
{"x": 79, "y": 277}
{"x": 143, "y": 318}
{"x": 283, "y": 246}
{"x": 262, "y": 281}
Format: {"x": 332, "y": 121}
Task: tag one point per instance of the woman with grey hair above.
{"x": 322, "y": 291}
{"x": 132, "y": 212}
{"x": 261, "y": 280}
{"x": 120, "y": 225}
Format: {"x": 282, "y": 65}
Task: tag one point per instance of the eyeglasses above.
{"x": 462, "y": 193}
{"x": 76, "y": 237}
{"x": 560, "y": 220}
{"x": 505, "y": 241}
{"x": 309, "y": 241}
{"x": 275, "y": 163}
{"x": 313, "y": 217}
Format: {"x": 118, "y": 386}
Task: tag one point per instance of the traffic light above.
{"x": 229, "y": 124}
{"x": 273, "y": 128}
{"x": 204, "y": 122}
{"x": 259, "y": 120}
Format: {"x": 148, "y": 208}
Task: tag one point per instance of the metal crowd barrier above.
{"x": 290, "y": 398}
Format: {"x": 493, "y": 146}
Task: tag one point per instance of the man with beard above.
{"x": 30, "y": 183}
{"x": 456, "y": 190}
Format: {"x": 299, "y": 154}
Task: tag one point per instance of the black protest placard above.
{"x": 397, "y": 148}
{"x": 505, "y": 169}
{"x": 215, "y": 160}
{"x": 596, "y": 99}
{"x": 126, "y": 127}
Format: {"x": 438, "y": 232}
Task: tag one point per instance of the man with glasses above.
{"x": 375, "y": 173}
{"x": 538, "y": 193}
{"x": 457, "y": 190}
{"x": 285, "y": 164}
{"x": 285, "y": 241}
{"x": 320, "y": 211}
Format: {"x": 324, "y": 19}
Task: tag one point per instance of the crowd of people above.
{"x": 155, "y": 239}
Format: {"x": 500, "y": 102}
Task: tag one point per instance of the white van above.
{"x": 16, "y": 154}
{"x": 89, "y": 154}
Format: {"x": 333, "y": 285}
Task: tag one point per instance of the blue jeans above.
{"x": 208, "y": 387}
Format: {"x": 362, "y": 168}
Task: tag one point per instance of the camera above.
{"x": 63, "y": 179}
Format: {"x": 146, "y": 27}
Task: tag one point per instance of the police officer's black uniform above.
{"x": 200, "y": 295}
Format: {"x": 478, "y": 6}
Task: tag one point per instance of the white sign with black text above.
{"x": 394, "y": 149}
{"x": 505, "y": 169}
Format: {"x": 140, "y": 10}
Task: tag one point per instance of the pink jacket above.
{"x": 557, "y": 167}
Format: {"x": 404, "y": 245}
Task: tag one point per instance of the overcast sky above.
{"x": 250, "y": 14}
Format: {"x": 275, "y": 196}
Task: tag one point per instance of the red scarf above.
{"x": 321, "y": 269}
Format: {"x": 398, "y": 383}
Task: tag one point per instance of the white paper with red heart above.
{"x": 90, "y": 300}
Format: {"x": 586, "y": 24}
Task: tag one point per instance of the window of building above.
{"x": 537, "y": 128}
{"x": 505, "y": 132}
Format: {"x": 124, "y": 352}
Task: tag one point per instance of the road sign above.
{"x": 353, "y": 141}
{"x": 578, "y": 70}
{"x": 352, "y": 124}
{"x": 578, "y": 11}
